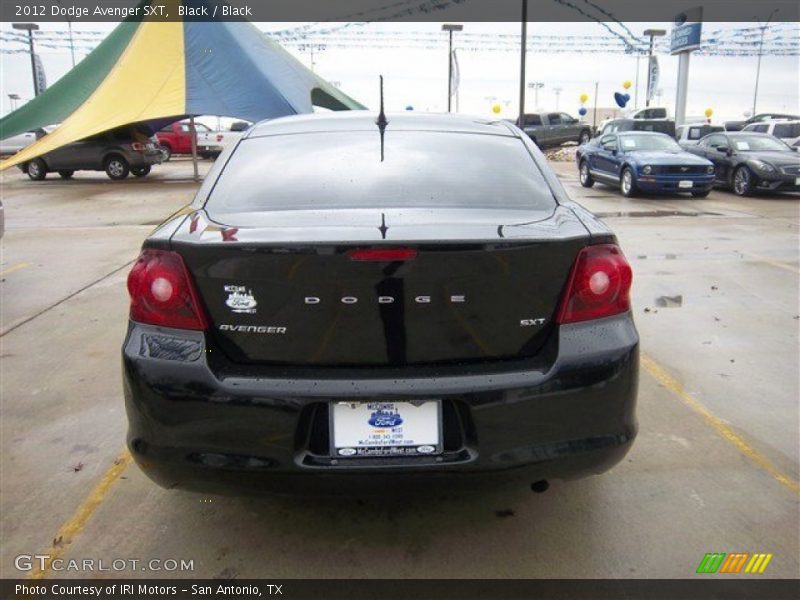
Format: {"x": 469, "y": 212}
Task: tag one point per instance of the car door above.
{"x": 709, "y": 148}
{"x": 555, "y": 129}
{"x": 605, "y": 163}
{"x": 571, "y": 128}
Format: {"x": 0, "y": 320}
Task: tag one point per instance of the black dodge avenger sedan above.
{"x": 354, "y": 301}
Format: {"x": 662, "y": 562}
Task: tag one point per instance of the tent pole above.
{"x": 194, "y": 148}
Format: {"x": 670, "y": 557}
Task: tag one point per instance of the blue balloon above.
{"x": 620, "y": 99}
{"x": 582, "y": 111}
{"x": 627, "y": 98}
{"x": 409, "y": 107}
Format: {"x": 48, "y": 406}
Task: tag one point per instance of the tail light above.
{"x": 382, "y": 254}
{"x": 138, "y": 147}
{"x": 162, "y": 292}
{"x": 599, "y": 285}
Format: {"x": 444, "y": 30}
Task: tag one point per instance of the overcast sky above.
{"x": 418, "y": 78}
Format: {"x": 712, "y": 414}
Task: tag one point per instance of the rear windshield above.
{"x": 348, "y": 170}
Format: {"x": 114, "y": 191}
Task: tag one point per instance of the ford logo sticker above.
{"x": 384, "y": 418}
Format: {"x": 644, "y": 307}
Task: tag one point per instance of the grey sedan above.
{"x": 117, "y": 152}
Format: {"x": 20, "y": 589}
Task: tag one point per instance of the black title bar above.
{"x": 396, "y": 10}
{"x": 405, "y": 589}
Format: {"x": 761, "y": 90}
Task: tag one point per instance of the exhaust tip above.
{"x": 540, "y": 487}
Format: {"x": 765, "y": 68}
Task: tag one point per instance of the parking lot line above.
{"x": 73, "y": 527}
{"x": 14, "y": 268}
{"x": 672, "y": 384}
{"x": 772, "y": 262}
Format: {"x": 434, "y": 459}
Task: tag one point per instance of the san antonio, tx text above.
{"x": 140, "y": 589}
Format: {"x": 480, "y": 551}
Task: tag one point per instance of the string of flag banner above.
{"x": 780, "y": 39}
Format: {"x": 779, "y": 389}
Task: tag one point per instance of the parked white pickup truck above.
{"x": 210, "y": 144}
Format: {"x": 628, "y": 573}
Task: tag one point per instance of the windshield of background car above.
{"x": 758, "y": 143}
{"x": 422, "y": 169}
{"x": 786, "y": 130}
{"x": 659, "y": 143}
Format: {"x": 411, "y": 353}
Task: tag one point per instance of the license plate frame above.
{"x": 423, "y": 445}
{"x": 685, "y": 184}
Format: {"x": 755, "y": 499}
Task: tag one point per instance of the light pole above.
{"x": 71, "y": 44}
{"x": 652, "y": 33}
{"x": 30, "y": 28}
{"x": 13, "y": 98}
{"x": 523, "y": 49}
{"x": 760, "y": 48}
{"x": 450, "y": 28}
{"x": 557, "y": 90}
{"x": 536, "y": 86}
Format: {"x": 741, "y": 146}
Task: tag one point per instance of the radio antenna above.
{"x": 382, "y": 121}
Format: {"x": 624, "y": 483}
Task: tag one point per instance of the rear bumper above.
{"x": 196, "y": 422}
{"x": 143, "y": 159}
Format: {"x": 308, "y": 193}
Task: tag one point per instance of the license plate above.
{"x": 685, "y": 184}
{"x": 362, "y": 429}
{"x": 797, "y": 180}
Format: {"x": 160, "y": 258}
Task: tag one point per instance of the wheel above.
{"x": 140, "y": 171}
{"x": 37, "y": 170}
{"x": 628, "y": 183}
{"x": 584, "y": 138}
{"x": 586, "y": 177}
{"x": 66, "y": 174}
{"x": 742, "y": 181}
{"x": 701, "y": 194}
{"x": 166, "y": 152}
{"x": 117, "y": 167}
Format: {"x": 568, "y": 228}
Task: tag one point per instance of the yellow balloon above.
{"x": 709, "y": 112}
{"x": 496, "y": 108}
{"x": 584, "y": 97}
{"x": 626, "y": 84}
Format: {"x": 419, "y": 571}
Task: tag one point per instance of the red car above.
{"x": 176, "y": 138}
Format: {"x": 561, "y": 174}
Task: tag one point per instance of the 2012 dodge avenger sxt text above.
{"x": 353, "y": 301}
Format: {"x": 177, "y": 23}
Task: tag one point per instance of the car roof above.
{"x": 644, "y": 133}
{"x": 361, "y": 120}
{"x": 747, "y": 133}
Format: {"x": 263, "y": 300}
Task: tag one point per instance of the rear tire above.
{"x": 166, "y": 152}
{"x": 627, "y": 183}
{"x": 585, "y": 175}
{"x": 36, "y": 169}
{"x": 742, "y": 181}
{"x": 66, "y": 174}
{"x": 117, "y": 167}
{"x": 140, "y": 171}
{"x": 701, "y": 194}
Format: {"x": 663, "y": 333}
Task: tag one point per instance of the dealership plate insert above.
{"x": 386, "y": 428}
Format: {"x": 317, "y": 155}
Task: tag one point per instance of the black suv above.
{"x": 118, "y": 152}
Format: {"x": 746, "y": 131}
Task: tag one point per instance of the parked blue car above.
{"x": 644, "y": 161}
